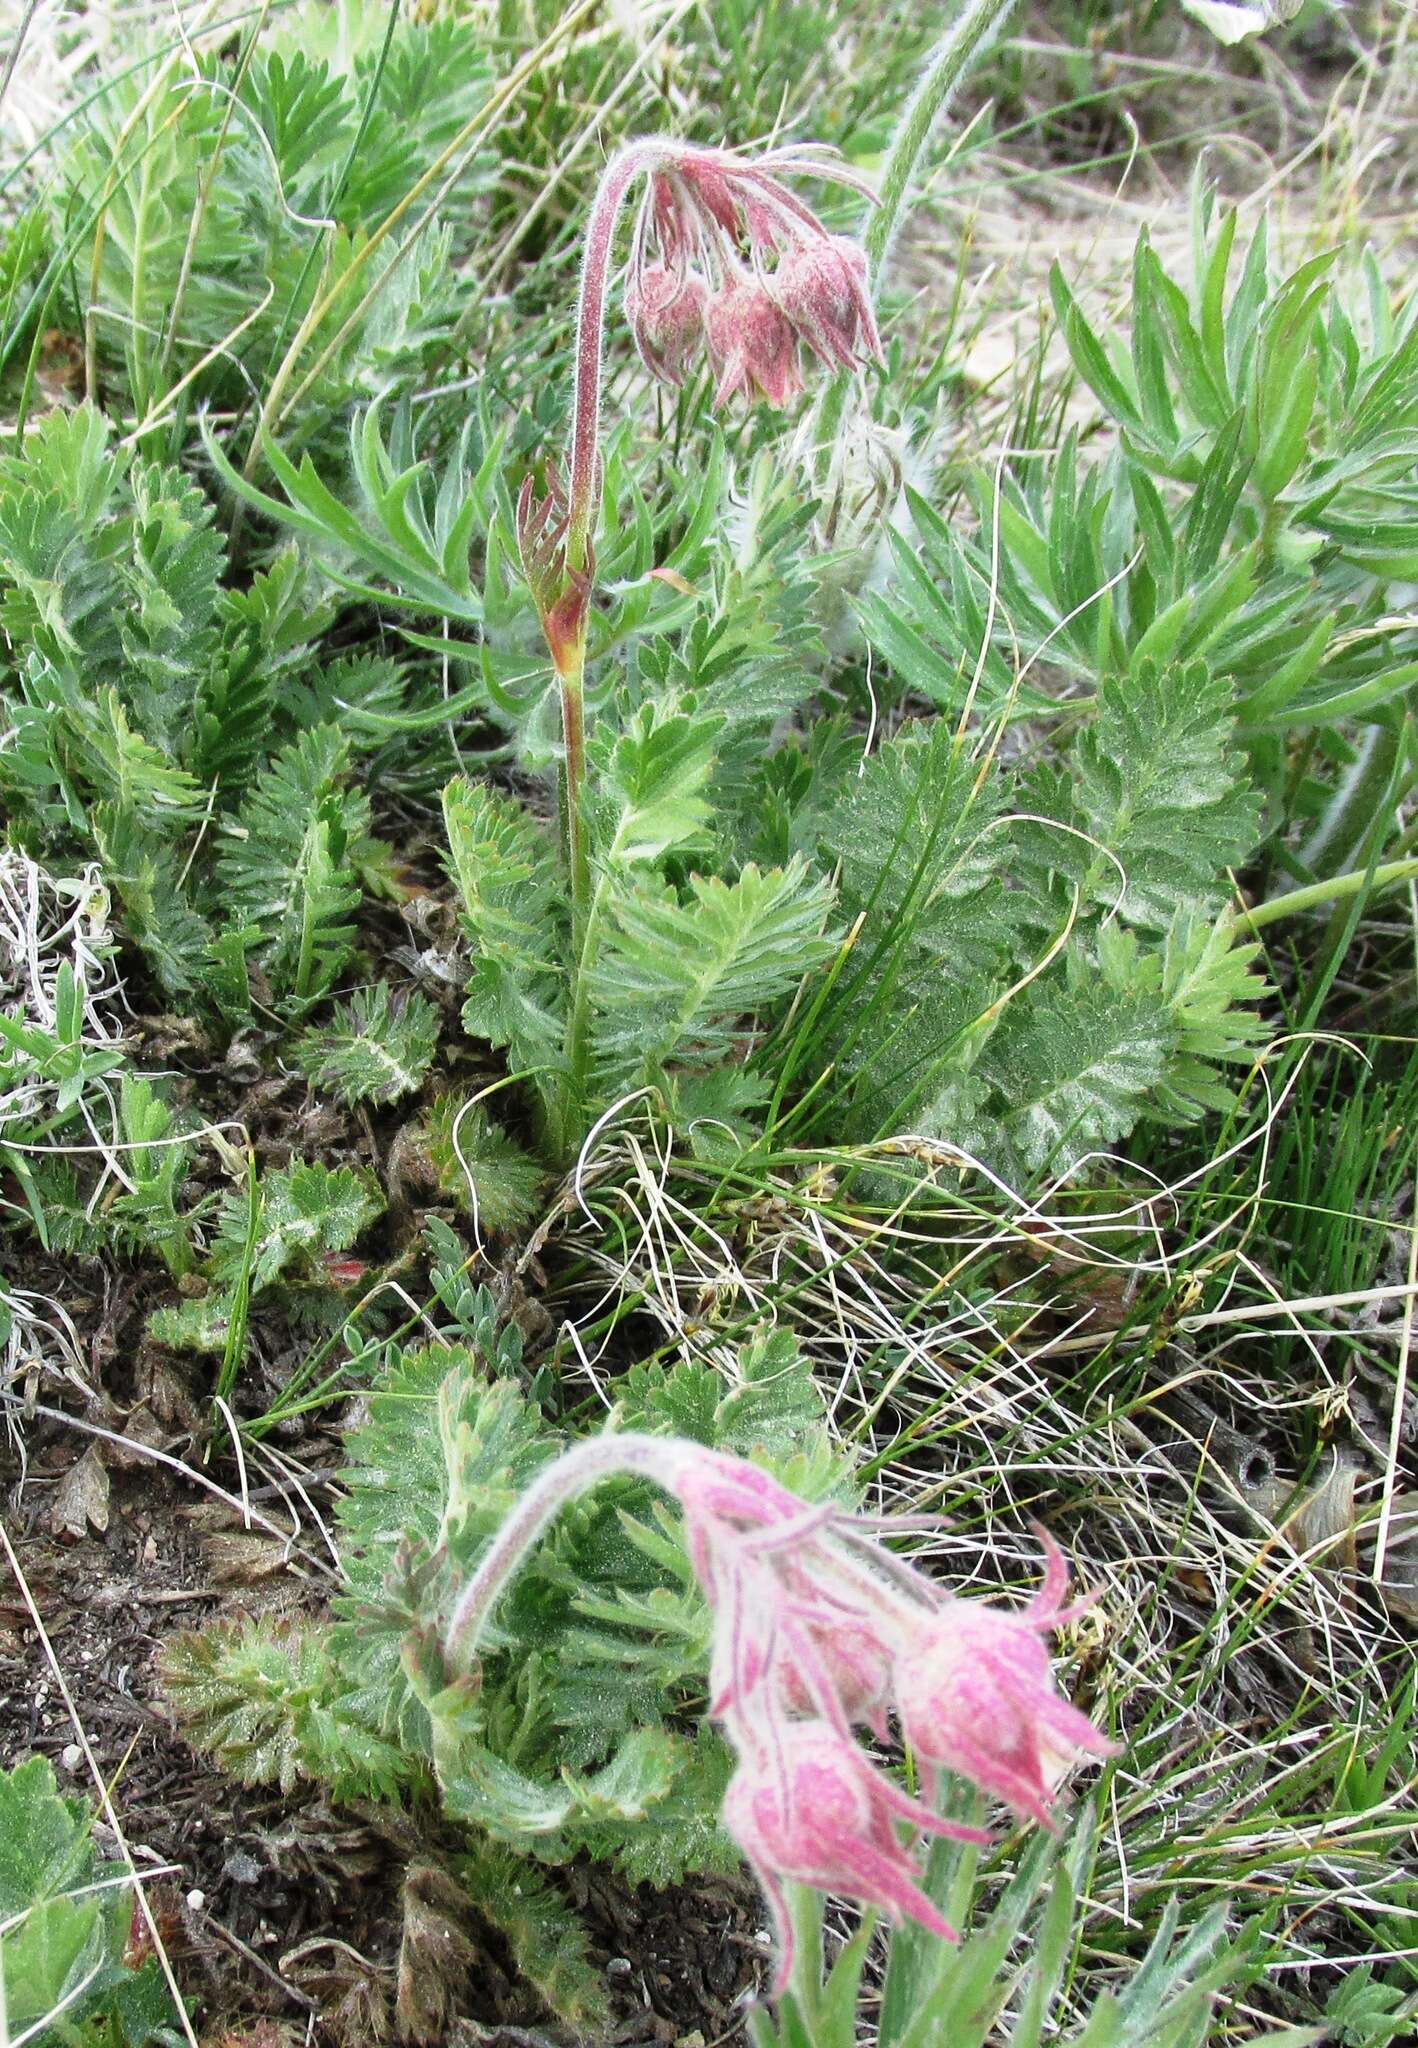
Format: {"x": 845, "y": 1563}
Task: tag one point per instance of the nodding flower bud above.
{"x": 806, "y": 1807}
{"x": 977, "y": 1696}
{"x": 821, "y": 285}
{"x": 752, "y": 344}
{"x": 666, "y": 312}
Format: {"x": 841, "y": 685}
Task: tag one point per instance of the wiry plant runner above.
{"x": 817, "y": 1626}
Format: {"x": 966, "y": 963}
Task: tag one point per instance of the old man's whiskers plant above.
{"x": 726, "y": 263}
{"x": 817, "y": 1626}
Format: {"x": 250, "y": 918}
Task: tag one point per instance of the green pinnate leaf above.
{"x": 491, "y": 1176}
{"x": 675, "y": 980}
{"x": 1204, "y": 979}
{"x": 302, "y": 1210}
{"x": 290, "y": 863}
{"x": 201, "y": 1323}
{"x": 507, "y": 877}
{"x": 376, "y": 1047}
{"x": 924, "y": 850}
{"x": 264, "y": 1697}
{"x": 549, "y": 1943}
{"x": 1075, "y": 1066}
{"x": 515, "y": 913}
{"x": 651, "y": 784}
{"x": 239, "y": 1690}
{"x": 1162, "y": 792}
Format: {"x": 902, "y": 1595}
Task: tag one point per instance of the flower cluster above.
{"x": 818, "y": 1627}
{"x": 727, "y": 262}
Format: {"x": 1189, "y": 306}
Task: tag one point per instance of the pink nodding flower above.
{"x": 753, "y": 345}
{"x": 977, "y": 1697}
{"x": 855, "y": 1660}
{"x": 806, "y": 1807}
{"x": 818, "y": 1625}
{"x": 714, "y": 233}
{"x": 821, "y": 284}
{"x": 666, "y": 312}
{"x": 797, "y": 1630}
{"x": 725, "y": 252}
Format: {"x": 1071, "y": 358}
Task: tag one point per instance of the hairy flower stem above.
{"x": 573, "y": 776}
{"x": 974, "y": 28}
{"x": 578, "y": 1026}
{"x": 592, "y": 1460}
{"x": 583, "y": 515}
{"x": 584, "y": 493}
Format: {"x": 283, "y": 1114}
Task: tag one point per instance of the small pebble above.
{"x": 196, "y": 1901}
{"x": 71, "y": 1756}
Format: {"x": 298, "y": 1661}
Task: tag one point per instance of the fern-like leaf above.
{"x": 924, "y": 853}
{"x": 1161, "y": 790}
{"x": 144, "y": 872}
{"x": 290, "y": 860}
{"x": 651, "y": 782}
{"x": 375, "y": 1048}
{"x": 1074, "y": 1068}
{"x": 302, "y": 1210}
{"x": 262, "y": 1697}
{"x": 240, "y": 1690}
{"x": 514, "y": 913}
{"x": 549, "y": 1944}
{"x": 1204, "y": 979}
{"x": 675, "y": 980}
{"x": 481, "y": 1165}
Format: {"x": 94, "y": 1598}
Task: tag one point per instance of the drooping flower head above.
{"x": 726, "y": 264}
{"x": 817, "y": 1626}
{"x": 806, "y": 1807}
{"x": 666, "y": 312}
{"x": 978, "y": 1697}
{"x": 822, "y": 287}
{"x": 722, "y": 238}
{"x": 752, "y": 344}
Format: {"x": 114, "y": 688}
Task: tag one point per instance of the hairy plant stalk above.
{"x": 971, "y": 33}
{"x": 573, "y": 779}
{"x": 949, "y": 64}
{"x": 584, "y": 492}
{"x": 583, "y": 513}
{"x": 586, "y": 1465}
{"x": 725, "y": 262}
